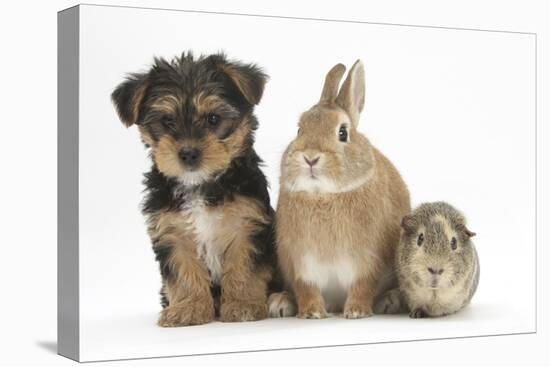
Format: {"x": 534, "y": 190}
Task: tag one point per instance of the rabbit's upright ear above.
{"x": 352, "y": 94}
{"x": 332, "y": 81}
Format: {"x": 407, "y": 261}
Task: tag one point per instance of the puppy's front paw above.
{"x": 357, "y": 310}
{"x": 418, "y": 313}
{"x": 312, "y": 311}
{"x": 235, "y": 311}
{"x": 187, "y": 313}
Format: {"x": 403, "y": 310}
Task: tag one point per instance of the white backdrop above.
{"x": 454, "y": 110}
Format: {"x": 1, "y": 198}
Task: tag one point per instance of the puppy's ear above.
{"x": 249, "y": 78}
{"x": 409, "y": 224}
{"x": 128, "y": 98}
{"x": 462, "y": 228}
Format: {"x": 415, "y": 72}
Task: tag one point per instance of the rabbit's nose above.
{"x": 435, "y": 271}
{"x": 311, "y": 162}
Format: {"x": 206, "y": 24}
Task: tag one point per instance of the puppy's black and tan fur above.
{"x": 207, "y": 204}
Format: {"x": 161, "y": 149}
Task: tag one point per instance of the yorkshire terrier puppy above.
{"x": 207, "y": 205}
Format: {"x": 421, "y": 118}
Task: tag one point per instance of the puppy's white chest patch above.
{"x": 205, "y": 226}
{"x": 333, "y": 278}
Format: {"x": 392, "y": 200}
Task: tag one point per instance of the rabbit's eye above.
{"x": 420, "y": 239}
{"x": 453, "y": 243}
{"x": 343, "y": 134}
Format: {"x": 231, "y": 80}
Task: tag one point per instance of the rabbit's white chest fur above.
{"x": 204, "y": 224}
{"x": 333, "y": 278}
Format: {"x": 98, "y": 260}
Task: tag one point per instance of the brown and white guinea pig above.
{"x": 436, "y": 263}
{"x": 340, "y": 205}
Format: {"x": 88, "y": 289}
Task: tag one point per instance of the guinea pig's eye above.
{"x": 453, "y": 243}
{"x": 343, "y": 134}
{"x": 299, "y": 131}
{"x": 420, "y": 239}
{"x": 213, "y": 119}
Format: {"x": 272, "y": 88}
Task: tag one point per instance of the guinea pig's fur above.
{"x": 338, "y": 215}
{"x": 436, "y": 263}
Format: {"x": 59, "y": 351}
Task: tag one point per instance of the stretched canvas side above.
{"x": 67, "y": 184}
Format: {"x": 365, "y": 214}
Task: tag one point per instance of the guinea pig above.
{"x": 437, "y": 264}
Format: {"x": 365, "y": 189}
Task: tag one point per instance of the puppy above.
{"x": 206, "y": 200}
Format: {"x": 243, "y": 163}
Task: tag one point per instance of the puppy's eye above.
{"x": 420, "y": 239}
{"x": 213, "y": 119}
{"x": 453, "y": 243}
{"x": 343, "y": 134}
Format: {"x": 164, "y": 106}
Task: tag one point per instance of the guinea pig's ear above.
{"x": 248, "y": 78}
{"x": 462, "y": 228}
{"x": 352, "y": 94}
{"x": 409, "y": 224}
{"x": 128, "y": 97}
{"x": 332, "y": 82}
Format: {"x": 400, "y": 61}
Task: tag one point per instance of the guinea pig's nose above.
{"x": 435, "y": 271}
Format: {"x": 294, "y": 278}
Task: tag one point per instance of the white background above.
{"x": 30, "y": 314}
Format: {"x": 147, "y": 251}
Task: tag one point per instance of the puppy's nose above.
{"x": 435, "y": 271}
{"x": 190, "y": 156}
{"x": 311, "y": 162}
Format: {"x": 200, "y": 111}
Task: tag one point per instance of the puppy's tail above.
{"x": 390, "y": 302}
{"x": 281, "y": 304}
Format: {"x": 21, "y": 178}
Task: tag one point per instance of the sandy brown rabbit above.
{"x": 340, "y": 206}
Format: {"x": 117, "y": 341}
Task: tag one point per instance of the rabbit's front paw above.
{"x": 312, "y": 311}
{"x": 357, "y": 310}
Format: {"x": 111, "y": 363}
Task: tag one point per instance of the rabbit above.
{"x": 437, "y": 264}
{"x": 339, "y": 209}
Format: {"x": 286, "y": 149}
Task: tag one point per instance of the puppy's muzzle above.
{"x": 191, "y": 157}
